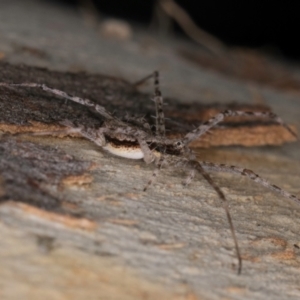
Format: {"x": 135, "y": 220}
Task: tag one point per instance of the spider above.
{"x": 133, "y": 138}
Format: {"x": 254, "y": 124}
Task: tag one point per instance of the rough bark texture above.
{"x": 33, "y": 109}
{"x": 97, "y": 235}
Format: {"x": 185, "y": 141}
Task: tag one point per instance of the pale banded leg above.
{"x": 158, "y": 99}
{"x": 148, "y": 155}
{"x": 86, "y": 102}
{"x": 159, "y": 164}
{"x": 143, "y": 80}
{"x": 160, "y": 126}
{"x": 250, "y": 174}
{"x": 198, "y": 166}
{"x": 189, "y": 178}
{"x": 205, "y": 127}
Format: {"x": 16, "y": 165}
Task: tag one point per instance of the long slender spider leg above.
{"x": 86, "y": 102}
{"x": 189, "y": 178}
{"x": 250, "y": 174}
{"x": 148, "y": 154}
{"x": 94, "y": 135}
{"x": 197, "y": 165}
{"x": 158, "y": 99}
{"x": 160, "y": 126}
{"x": 155, "y": 173}
{"x": 202, "y": 129}
{"x": 144, "y": 79}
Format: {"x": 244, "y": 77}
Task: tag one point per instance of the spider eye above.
{"x": 178, "y": 144}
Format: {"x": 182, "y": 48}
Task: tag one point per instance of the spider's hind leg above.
{"x": 199, "y": 167}
{"x": 251, "y": 175}
{"x": 158, "y": 165}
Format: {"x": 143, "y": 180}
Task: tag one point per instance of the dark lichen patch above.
{"x": 30, "y": 173}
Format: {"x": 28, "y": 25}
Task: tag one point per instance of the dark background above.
{"x": 272, "y": 26}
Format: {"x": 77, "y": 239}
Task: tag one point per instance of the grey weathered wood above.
{"x": 168, "y": 243}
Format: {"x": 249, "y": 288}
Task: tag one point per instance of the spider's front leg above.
{"x": 209, "y": 124}
{"x": 85, "y": 102}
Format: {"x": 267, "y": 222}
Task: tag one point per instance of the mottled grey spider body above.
{"x": 133, "y": 138}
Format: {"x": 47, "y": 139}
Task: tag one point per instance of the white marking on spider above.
{"x": 130, "y": 152}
